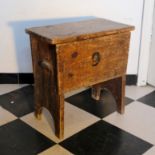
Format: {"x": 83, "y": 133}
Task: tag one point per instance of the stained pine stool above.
{"x": 80, "y": 54}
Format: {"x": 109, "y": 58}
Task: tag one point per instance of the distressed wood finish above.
{"x": 69, "y": 56}
{"x": 77, "y": 60}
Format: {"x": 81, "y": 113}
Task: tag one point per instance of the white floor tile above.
{"x": 5, "y": 88}
{"x": 135, "y": 92}
{"x": 56, "y": 150}
{"x": 139, "y": 120}
{"x": 75, "y": 120}
{"x": 6, "y": 116}
{"x": 150, "y": 151}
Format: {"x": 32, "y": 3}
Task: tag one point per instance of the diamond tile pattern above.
{"x": 102, "y": 137}
{"x": 19, "y": 138}
{"x": 149, "y": 99}
{"x": 91, "y": 127}
{"x": 19, "y": 102}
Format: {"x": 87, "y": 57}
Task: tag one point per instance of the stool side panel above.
{"x": 48, "y": 92}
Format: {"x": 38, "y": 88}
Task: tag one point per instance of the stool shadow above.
{"x": 49, "y": 119}
{"x": 21, "y": 39}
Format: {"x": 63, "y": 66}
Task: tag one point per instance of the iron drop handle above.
{"x": 45, "y": 65}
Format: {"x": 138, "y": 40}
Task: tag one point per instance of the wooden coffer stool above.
{"x": 79, "y": 54}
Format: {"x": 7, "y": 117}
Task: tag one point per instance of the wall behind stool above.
{"x": 16, "y": 15}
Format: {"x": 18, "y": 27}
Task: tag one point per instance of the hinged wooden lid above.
{"x": 75, "y": 31}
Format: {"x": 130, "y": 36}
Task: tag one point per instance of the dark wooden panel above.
{"x": 47, "y": 92}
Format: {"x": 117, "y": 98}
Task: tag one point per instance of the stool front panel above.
{"x": 88, "y": 62}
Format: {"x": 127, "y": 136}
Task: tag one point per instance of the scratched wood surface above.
{"x": 68, "y": 32}
{"x": 77, "y": 60}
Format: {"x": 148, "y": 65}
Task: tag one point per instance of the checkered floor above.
{"x": 90, "y": 128}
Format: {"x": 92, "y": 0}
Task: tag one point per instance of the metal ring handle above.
{"x": 95, "y": 58}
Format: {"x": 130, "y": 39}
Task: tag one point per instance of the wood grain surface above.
{"x": 68, "y": 32}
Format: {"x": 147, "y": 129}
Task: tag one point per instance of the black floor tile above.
{"x": 19, "y": 102}
{"x": 104, "y": 138}
{"x": 101, "y": 109}
{"x": 17, "y": 138}
{"x": 149, "y": 99}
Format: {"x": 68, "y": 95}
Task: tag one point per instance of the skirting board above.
{"x": 27, "y": 78}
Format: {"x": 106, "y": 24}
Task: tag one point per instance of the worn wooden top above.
{"x": 68, "y": 32}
